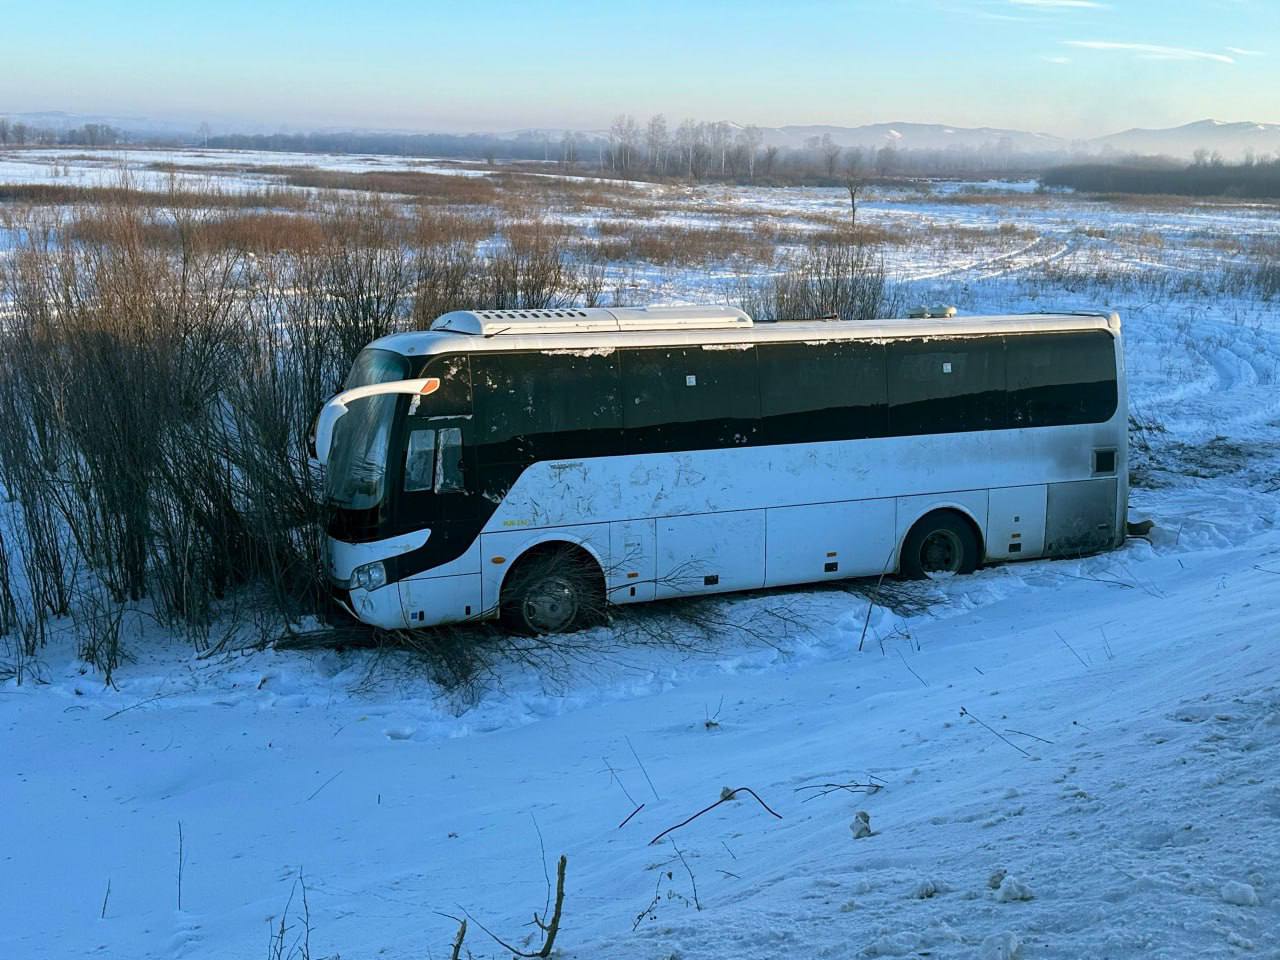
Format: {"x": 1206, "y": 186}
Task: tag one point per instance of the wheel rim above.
{"x": 941, "y": 552}
{"x": 550, "y": 605}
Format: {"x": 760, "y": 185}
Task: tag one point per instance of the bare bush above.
{"x": 207, "y": 195}
{"x": 843, "y": 280}
{"x": 160, "y": 367}
{"x": 1265, "y": 272}
{"x": 8, "y": 604}
{"x": 99, "y": 622}
{"x": 678, "y": 245}
{"x": 439, "y": 188}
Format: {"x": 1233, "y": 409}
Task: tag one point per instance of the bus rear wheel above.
{"x": 553, "y": 590}
{"x": 940, "y": 544}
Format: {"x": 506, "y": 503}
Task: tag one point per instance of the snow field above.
{"x": 1074, "y": 758}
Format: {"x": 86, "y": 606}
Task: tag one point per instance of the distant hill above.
{"x": 919, "y": 136}
{"x": 1231, "y": 140}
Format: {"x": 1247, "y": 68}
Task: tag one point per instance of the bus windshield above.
{"x": 377, "y": 366}
{"x": 355, "y": 477}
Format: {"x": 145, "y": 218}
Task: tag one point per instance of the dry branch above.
{"x": 728, "y": 795}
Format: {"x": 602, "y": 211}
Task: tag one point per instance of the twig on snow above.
{"x": 642, "y": 769}
{"x": 549, "y": 930}
{"x": 966, "y": 713}
{"x": 693, "y": 882}
{"x": 317, "y": 790}
{"x": 1031, "y": 735}
{"x": 630, "y": 815}
{"x": 827, "y": 788}
{"x": 728, "y": 795}
{"x": 181, "y": 860}
{"x": 1071, "y": 648}
{"x": 908, "y": 666}
{"x": 134, "y": 706}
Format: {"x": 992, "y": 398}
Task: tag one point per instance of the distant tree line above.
{"x": 655, "y": 148}
{"x": 19, "y": 134}
{"x": 1208, "y": 176}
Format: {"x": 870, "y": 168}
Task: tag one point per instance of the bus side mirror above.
{"x": 328, "y": 418}
{"x": 335, "y": 409}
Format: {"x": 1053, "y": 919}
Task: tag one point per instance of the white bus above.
{"x": 536, "y": 465}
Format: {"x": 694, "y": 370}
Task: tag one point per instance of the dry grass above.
{"x": 51, "y": 194}
{"x": 436, "y": 188}
{"x": 676, "y": 245}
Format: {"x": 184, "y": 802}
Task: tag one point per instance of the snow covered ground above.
{"x": 1058, "y": 759}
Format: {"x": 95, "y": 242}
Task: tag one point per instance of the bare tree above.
{"x": 720, "y": 139}
{"x": 624, "y": 139}
{"x": 830, "y": 153}
{"x": 770, "y": 158}
{"x": 688, "y": 138}
{"x": 750, "y": 138}
{"x": 853, "y": 185}
{"x": 568, "y": 148}
{"x": 657, "y": 140}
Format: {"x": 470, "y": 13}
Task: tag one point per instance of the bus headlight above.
{"x": 369, "y": 576}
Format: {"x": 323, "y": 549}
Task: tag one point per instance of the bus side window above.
{"x": 1061, "y": 378}
{"x": 448, "y": 476}
{"x": 419, "y": 460}
{"x": 689, "y": 398}
{"x": 833, "y": 390}
{"x": 541, "y": 405}
{"x": 946, "y": 385}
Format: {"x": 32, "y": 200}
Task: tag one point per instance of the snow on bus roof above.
{"x": 597, "y": 328}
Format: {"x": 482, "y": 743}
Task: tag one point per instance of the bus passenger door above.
{"x": 632, "y": 561}
{"x": 438, "y": 492}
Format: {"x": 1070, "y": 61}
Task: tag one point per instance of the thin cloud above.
{"x": 1060, "y": 4}
{"x": 1151, "y": 51}
{"x": 1240, "y": 52}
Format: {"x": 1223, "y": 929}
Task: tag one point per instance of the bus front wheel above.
{"x": 940, "y": 543}
{"x": 557, "y": 589}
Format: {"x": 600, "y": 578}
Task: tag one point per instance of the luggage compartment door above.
{"x": 1015, "y": 522}
{"x": 828, "y": 541}
{"x": 632, "y": 561}
{"x": 710, "y": 553}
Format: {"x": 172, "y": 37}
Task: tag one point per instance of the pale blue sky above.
{"x": 1069, "y": 67}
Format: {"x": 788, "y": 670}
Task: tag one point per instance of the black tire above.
{"x": 940, "y": 543}
{"x": 553, "y": 590}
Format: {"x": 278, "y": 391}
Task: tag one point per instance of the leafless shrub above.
{"x": 290, "y": 938}
{"x": 548, "y": 922}
{"x": 844, "y": 280}
{"x": 208, "y": 195}
{"x": 159, "y": 376}
{"x": 679, "y": 245}
{"x": 435, "y": 188}
{"x": 99, "y": 622}
{"x": 8, "y": 604}
{"x": 1265, "y": 272}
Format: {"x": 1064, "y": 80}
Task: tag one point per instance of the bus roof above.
{"x": 464, "y": 331}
